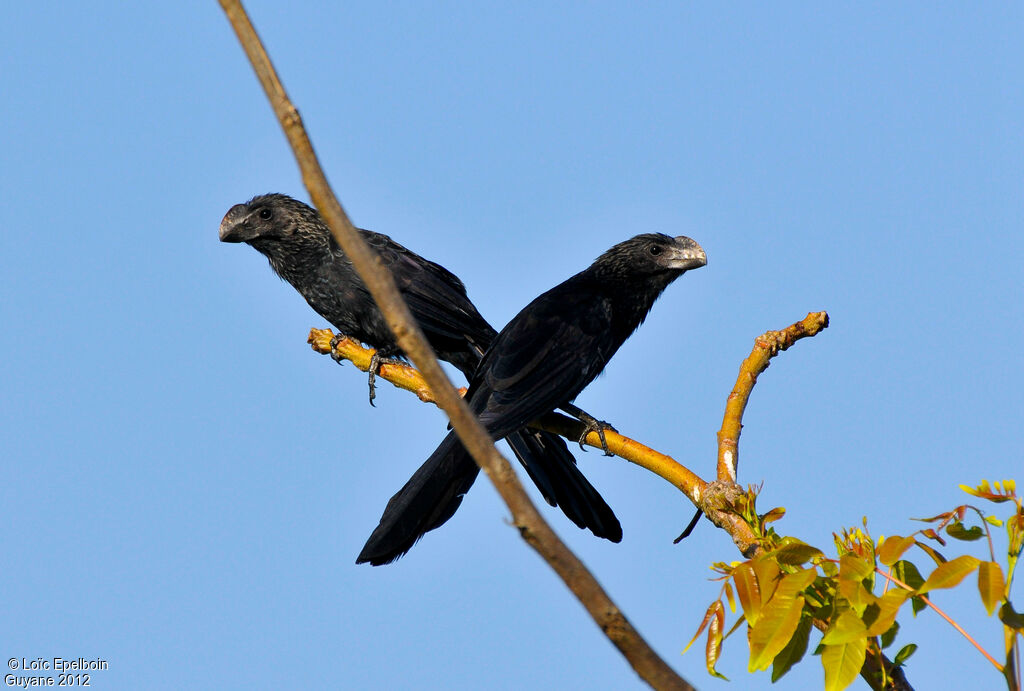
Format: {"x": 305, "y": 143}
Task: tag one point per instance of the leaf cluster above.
{"x": 854, "y": 598}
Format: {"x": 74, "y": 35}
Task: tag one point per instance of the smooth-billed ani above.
{"x": 302, "y": 251}
{"x": 540, "y": 361}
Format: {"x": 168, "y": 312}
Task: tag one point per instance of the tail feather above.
{"x": 428, "y": 499}
{"x": 435, "y": 491}
{"x": 552, "y": 468}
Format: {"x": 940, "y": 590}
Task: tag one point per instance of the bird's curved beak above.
{"x": 687, "y": 254}
{"x": 234, "y": 228}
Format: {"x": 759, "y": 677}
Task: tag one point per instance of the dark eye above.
{"x": 655, "y": 250}
{"x": 265, "y": 213}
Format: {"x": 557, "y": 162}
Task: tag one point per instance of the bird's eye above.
{"x": 655, "y": 250}
{"x": 265, "y": 214}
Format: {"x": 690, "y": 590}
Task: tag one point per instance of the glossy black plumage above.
{"x": 540, "y": 361}
{"x": 302, "y": 251}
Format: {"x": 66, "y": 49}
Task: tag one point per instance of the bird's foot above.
{"x": 335, "y": 340}
{"x": 376, "y": 360}
{"x": 595, "y": 425}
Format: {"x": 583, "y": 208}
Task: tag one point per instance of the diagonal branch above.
{"x": 378, "y": 280}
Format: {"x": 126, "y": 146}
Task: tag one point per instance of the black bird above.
{"x": 302, "y": 251}
{"x": 540, "y": 361}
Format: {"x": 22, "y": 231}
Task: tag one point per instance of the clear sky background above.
{"x": 186, "y": 485}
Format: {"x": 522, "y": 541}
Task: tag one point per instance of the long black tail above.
{"x": 427, "y": 500}
{"x": 435, "y": 491}
{"x": 553, "y": 469}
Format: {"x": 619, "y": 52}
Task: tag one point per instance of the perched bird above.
{"x": 540, "y": 361}
{"x": 302, "y": 251}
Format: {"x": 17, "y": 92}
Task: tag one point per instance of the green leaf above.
{"x": 904, "y": 653}
{"x": 893, "y": 548}
{"x": 889, "y": 636}
{"x": 888, "y": 607}
{"x": 1012, "y": 618}
{"x": 991, "y": 585}
{"x": 854, "y": 568}
{"x": 774, "y": 630}
{"x": 845, "y": 628}
{"x": 856, "y": 594}
{"x": 907, "y": 573}
{"x": 961, "y": 532}
{"x": 950, "y": 574}
{"x": 917, "y": 604}
{"x": 797, "y": 553}
{"x": 842, "y": 663}
{"x": 794, "y": 650}
{"x": 932, "y": 552}
{"x": 779, "y": 619}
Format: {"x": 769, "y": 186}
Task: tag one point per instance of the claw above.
{"x": 592, "y": 425}
{"x": 335, "y": 340}
{"x": 376, "y": 360}
{"x": 375, "y": 363}
{"x": 595, "y": 425}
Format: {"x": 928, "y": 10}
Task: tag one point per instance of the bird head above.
{"x": 652, "y": 253}
{"x": 265, "y": 217}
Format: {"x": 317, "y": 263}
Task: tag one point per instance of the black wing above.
{"x": 545, "y": 356}
{"x": 438, "y": 301}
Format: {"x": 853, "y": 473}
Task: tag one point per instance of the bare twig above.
{"x": 767, "y": 346}
{"x": 531, "y": 525}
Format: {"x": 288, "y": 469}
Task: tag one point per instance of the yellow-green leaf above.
{"x": 842, "y": 663}
{"x": 959, "y": 531}
{"x": 794, "y": 650}
{"x": 991, "y": 585}
{"x": 932, "y": 552}
{"x": 845, "y": 628}
{"x": 889, "y": 636}
{"x": 797, "y": 553}
{"x": 1011, "y": 617}
{"x": 729, "y": 596}
{"x": 773, "y": 515}
{"x": 950, "y": 574}
{"x": 904, "y": 653}
{"x": 906, "y": 572}
{"x": 854, "y": 568}
{"x": 888, "y": 607}
{"x": 768, "y": 574}
{"x": 893, "y": 548}
{"x": 856, "y": 594}
{"x": 773, "y": 631}
{"x": 748, "y": 592}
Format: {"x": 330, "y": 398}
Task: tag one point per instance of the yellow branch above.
{"x": 409, "y": 379}
{"x": 766, "y": 346}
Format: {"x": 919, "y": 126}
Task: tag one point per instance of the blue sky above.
{"x": 186, "y": 485}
